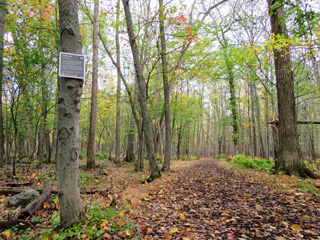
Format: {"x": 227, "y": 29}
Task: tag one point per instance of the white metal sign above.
{"x": 71, "y": 65}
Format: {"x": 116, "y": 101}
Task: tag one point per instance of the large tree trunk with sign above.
{"x": 70, "y": 90}
{"x": 290, "y": 158}
{"x": 3, "y": 12}
{"x": 94, "y": 93}
{"x": 155, "y": 170}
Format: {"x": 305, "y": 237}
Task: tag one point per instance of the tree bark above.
{"x": 290, "y": 158}
{"x": 117, "y": 151}
{"x": 130, "y": 149}
{"x": 70, "y": 91}
{"x": 3, "y": 12}
{"x": 155, "y": 170}
{"x": 166, "y": 89}
{"x": 94, "y": 93}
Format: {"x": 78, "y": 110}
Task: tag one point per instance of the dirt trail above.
{"x": 207, "y": 201}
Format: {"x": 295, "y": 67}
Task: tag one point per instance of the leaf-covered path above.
{"x": 208, "y": 201}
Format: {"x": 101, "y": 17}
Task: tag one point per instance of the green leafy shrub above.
{"x": 307, "y": 186}
{"x": 101, "y": 155}
{"x": 189, "y": 158}
{"x": 313, "y": 164}
{"x": 221, "y": 156}
{"x": 98, "y": 221}
{"x": 258, "y": 164}
{"x": 86, "y": 179}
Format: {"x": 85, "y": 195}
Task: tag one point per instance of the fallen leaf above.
{"x": 230, "y": 220}
{"x": 182, "y": 216}
{"x": 46, "y": 205}
{"x": 259, "y": 208}
{"x": 146, "y": 230}
{"x": 107, "y": 236}
{"x": 128, "y": 232}
{"x": 296, "y": 227}
{"x": 103, "y": 222}
{"x": 166, "y": 236}
{"x": 173, "y": 230}
{"x": 83, "y": 236}
{"x": 6, "y": 235}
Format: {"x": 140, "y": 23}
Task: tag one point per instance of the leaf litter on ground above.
{"x": 196, "y": 200}
{"x": 208, "y": 201}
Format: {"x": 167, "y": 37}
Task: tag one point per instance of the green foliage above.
{"x": 254, "y": 163}
{"x": 189, "y": 158}
{"x": 159, "y": 158}
{"x": 313, "y": 164}
{"x": 221, "y": 156}
{"x": 83, "y": 152}
{"x": 307, "y": 186}
{"x": 86, "y": 179}
{"x": 98, "y": 221}
{"x": 101, "y": 155}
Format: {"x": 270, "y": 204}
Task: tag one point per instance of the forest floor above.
{"x": 200, "y": 199}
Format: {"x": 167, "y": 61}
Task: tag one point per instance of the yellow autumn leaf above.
{"x": 53, "y": 236}
{"x": 173, "y": 230}
{"x": 46, "y": 238}
{"x": 103, "y": 222}
{"x": 296, "y": 227}
{"x": 5, "y": 235}
{"x": 121, "y": 214}
{"x": 46, "y": 205}
{"x": 83, "y": 236}
{"x": 128, "y": 232}
{"x": 230, "y": 220}
{"x": 182, "y": 216}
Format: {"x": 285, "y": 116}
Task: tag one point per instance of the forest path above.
{"x": 207, "y": 201}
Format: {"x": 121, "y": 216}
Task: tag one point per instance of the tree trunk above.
{"x": 258, "y": 114}
{"x": 44, "y": 145}
{"x": 140, "y": 163}
{"x": 3, "y": 12}
{"x": 290, "y": 158}
{"x": 70, "y": 90}
{"x": 233, "y": 104}
{"x": 155, "y": 170}
{"x": 253, "y": 119}
{"x": 117, "y": 152}
{"x": 166, "y": 89}
{"x": 130, "y": 149}
{"x": 179, "y": 141}
{"x": 93, "y": 110}
{"x": 55, "y": 127}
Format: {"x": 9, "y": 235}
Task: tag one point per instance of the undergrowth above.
{"x": 100, "y": 223}
{"x": 258, "y": 164}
